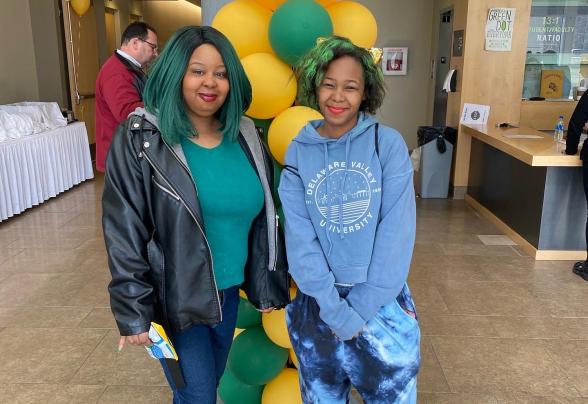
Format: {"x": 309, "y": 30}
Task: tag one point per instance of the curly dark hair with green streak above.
{"x": 312, "y": 67}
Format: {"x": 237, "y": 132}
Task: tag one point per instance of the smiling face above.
{"x": 340, "y": 95}
{"x": 205, "y": 85}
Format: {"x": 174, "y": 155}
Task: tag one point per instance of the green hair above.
{"x": 163, "y": 94}
{"x": 311, "y": 70}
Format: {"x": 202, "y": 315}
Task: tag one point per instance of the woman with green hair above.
{"x": 349, "y": 206}
{"x": 188, "y": 212}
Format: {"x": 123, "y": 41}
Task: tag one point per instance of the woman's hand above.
{"x": 266, "y": 310}
{"x": 139, "y": 339}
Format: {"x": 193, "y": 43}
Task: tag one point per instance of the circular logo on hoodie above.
{"x": 348, "y": 193}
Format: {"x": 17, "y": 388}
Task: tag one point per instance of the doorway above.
{"x": 442, "y": 62}
{"x": 110, "y": 25}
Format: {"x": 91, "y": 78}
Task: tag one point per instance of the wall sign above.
{"x": 499, "y": 28}
{"x": 394, "y": 61}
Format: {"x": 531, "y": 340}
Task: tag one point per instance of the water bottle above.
{"x": 559, "y": 129}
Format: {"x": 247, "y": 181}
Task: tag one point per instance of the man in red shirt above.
{"x": 120, "y": 84}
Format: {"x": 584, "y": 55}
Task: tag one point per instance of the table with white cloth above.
{"x": 38, "y": 167}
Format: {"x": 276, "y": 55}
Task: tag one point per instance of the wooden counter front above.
{"x": 541, "y": 152}
{"x": 521, "y": 185}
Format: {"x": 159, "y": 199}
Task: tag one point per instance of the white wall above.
{"x": 18, "y": 71}
{"x": 168, "y": 16}
{"x": 406, "y": 23}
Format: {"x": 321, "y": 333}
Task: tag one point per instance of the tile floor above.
{"x": 497, "y": 326}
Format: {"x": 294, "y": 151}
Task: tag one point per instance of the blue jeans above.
{"x": 381, "y": 362}
{"x": 203, "y": 351}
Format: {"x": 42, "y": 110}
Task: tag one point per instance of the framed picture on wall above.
{"x": 395, "y": 61}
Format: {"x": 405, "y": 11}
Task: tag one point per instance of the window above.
{"x": 558, "y": 40}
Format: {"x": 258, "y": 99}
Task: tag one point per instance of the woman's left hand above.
{"x": 266, "y": 310}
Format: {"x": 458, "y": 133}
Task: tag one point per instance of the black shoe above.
{"x": 581, "y": 269}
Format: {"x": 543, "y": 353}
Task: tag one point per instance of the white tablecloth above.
{"x": 38, "y": 167}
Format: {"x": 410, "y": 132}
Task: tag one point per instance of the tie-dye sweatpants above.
{"x": 382, "y": 362}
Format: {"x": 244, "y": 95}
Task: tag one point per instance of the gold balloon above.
{"x": 274, "y": 325}
{"x": 246, "y": 24}
{"x": 273, "y": 85}
{"x": 326, "y": 3}
{"x": 271, "y": 4}
{"x": 237, "y": 332}
{"x": 80, "y": 6}
{"x": 293, "y": 357}
{"x": 284, "y": 389}
{"x": 286, "y": 126}
{"x": 354, "y": 21}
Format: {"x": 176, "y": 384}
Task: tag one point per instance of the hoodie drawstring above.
{"x": 347, "y": 143}
{"x": 327, "y": 193}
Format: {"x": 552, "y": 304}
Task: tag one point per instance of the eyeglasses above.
{"x": 153, "y": 46}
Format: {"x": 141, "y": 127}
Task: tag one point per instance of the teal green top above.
{"x": 230, "y": 196}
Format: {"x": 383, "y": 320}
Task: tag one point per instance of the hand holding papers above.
{"x": 161, "y": 347}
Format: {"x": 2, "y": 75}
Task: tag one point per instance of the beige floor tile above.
{"x": 99, "y": 318}
{"x": 43, "y": 317}
{"x": 455, "y": 325}
{"x": 132, "y": 366}
{"x": 50, "y": 355}
{"x": 447, "y": 272}
{"x": 572, "y": 357}
{"x": 93, "y": 220}
{"x": 478, "y": 249}
{"x": 445, "y": 237}
{"x": 55, "y": 290}
{"x": 427, "y": 249}
{"x": 490, "y": 298}
{"x": 427, "y": 298}
{"x": 522, "y": 399}
{"x": 456, "y": 398}
{"x": 430, "y": 377}
{"x": 37, "y": 217}
{"x": 49, "y": 394}
{"x": 136, "y": 395}
{"x": 7, "y": 253}
{"x": 56, "y": 261}
{"x": 540, "y": 327}
{"x": 487, "y": 365}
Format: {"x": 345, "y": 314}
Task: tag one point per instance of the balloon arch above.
{"x": 270, "y": 36}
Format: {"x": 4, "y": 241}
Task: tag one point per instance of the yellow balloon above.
{"x": 272, "y": 82}
{"x": 293, "y": 291}
{"x": 293, "y": 358}
{"x": 286, "y": 126}
{"x": 237, "y": 332}
{"x": 242, "y": 294}
{"x": 284, "y": 389}
{"x": 326, "y": 3}
{"x": 80, "y": 6}
{"x": 271, "y": 4}
{"x": 246, "y": 24}
{"x": 274, "y": 325}
{"x": 354, "y": 21}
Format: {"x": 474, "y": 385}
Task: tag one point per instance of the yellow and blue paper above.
{"x": 161, "y": 347}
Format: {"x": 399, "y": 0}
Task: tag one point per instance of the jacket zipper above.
{"x": 276, "y": 217}
{"x": 197, "y": 223}
{"x": 164, "y": 189}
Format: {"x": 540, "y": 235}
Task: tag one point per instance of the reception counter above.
{"x": 522, "y": 181}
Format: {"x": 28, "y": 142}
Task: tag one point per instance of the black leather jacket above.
{"x": 158, "y": 255}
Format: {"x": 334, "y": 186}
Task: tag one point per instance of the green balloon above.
{"x": 234, "y": 391}
{"x": 247, "y": 316}
{"x": 295, "y": 27}
{"x": 262, "y": 126}
{"x": 277, "y": 175}
{"x": 254, "y": 359}
{"x": 282, "y": 218}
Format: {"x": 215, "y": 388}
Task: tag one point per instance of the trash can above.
{"x": 436, "y": 153}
